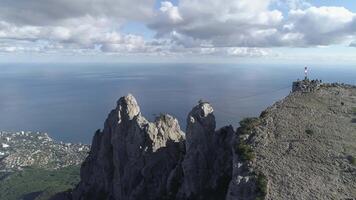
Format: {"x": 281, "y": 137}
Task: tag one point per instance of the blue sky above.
{"x": 260, "y": 31}
{"x": 344, "y": 3}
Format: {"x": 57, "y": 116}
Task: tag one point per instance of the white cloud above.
{"x": 79, "y": 33}
{"x": 296, "y": 4}
{"x": 253, "y": 24}
{"x": 192, "y": 27}
{"x": 322, "y": 25}
{"x": 48, "y": 12}
{"x": 72, "y": 25}
{"x": 114, "y": 42}
{"x": 15, "y": 49}
{"x": 9, "y": 46}
{"x": 248, "y": 52}
{"x": 171, "y": 12}
{"x": 220, "y": 23}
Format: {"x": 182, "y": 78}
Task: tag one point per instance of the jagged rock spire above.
{"x": 205, "y": 173}
{"x": 127, "y": 107}
{"x": 133, "y": 158}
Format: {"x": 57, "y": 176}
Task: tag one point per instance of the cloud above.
{"x": 322, "y": 25}
{"x": 49, "y": 12}
{"x": 293, "y": 4}
{"x": 219, "y": 23}
{"x": 253, "y": 24}
{"x": 240, "y": 28}
{"x": 170, "y": 12}
{"x": 233, "y": 52}
{"x": 79, "y": 33}
{"x": 13, "y": 49}
{"x": 248, "y": 52}
{"x": 78, "y": 25}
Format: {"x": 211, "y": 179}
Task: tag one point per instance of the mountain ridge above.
{"x": 136, "y": 159}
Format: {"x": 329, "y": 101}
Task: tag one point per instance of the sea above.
{"x": 70, "y": 101}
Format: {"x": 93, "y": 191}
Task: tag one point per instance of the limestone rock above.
{"x": 303, "y": 143}
{"x": 302, "y": 147}
{"x": 207, "y": 166}
{"x": 131, "y": 158}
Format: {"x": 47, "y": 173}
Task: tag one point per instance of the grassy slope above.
{"x": 38, "y": 184}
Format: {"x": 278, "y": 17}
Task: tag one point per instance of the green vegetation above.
{"x": 309, "y": 132}
{"x": 352, "y": 160}
{"x": 261, "y": 186}
{"x": 245, "y": 151}
{"x": 263, "y": 114}
{"x": 354, "y": 110}
{"x": 247, "y": 125}
{"x": 242, "y": 148}
{"x": 38, "y": 184}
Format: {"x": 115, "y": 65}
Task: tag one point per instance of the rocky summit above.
{"x": 302, "y": 147}
{"x": 305, "y": 145}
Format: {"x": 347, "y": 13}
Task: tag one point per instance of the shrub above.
{"x": 354, "y": 110}
{"x": 352, "y": 160}
{"x": 261, "y": 186}
{"x": 248, "y": 121}
{"x": 247, "y": 124}
{"x": 263, "y": 114}
{"x": 309, "y": 132}
{"x": 245, "y": 151}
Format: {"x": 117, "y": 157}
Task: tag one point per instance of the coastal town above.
{"x": 19, "y": 150}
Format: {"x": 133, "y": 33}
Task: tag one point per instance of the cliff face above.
{"x": 133, "y": 158}
{"x": 207, "y": 165}
{"x": 302, "y": 147}
{"x": 305, "y": 143}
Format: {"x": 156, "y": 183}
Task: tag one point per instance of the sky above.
{"x": 259, "y": 31}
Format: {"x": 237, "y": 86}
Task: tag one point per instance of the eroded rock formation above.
{"x": 133, "y": 158}
{"x": 207, "y": 165}
{"x": 302, "y": 147}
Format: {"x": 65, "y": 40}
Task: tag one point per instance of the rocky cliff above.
{"x": 302, "y": 147}
{"x": 132, "y": 158}
{"x": 305, "y": 145}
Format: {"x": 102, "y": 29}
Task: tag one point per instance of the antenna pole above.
{"x": 306, "y": 73}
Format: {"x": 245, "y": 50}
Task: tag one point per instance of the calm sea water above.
{"x": 71, "y": 101}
